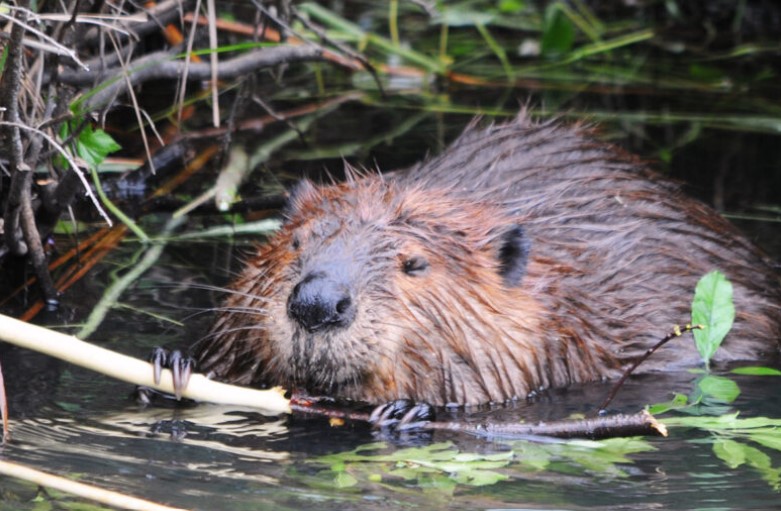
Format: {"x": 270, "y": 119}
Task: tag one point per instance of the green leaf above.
{"x": 679, "y": 401}
{"x": 463, "y": 17}
{"x": 94, "y": 145}
{"x": 770, "y": 438}
{"x": 727, "y": 422}
{"x": 511, "y": 6}
{"x": 344, "y": 480}
{"x": 558, "y": 32}
{"x": 712, "y": 307}
{"x": 757, "y": 371}
{"x": 479, "y": 477}
{"x": 719, "y": 388}
{"x": 730, "y": 452}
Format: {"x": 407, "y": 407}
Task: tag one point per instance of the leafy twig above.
{"x": 677, "y": 332}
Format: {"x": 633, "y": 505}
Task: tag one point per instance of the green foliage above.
{"x": 709, "y": 397}
{"x": 719, "y": 388}
{"x": 757, "y": 371}
{"x": 712, "y": 307}
{"x": 443, "y": 466}
{"x": 511, "y": 6}
{"x": 678, "y": 402}
{"x": 731, "y": 437}
{"x": 91, "y": 145}
{"x": 558, "y": 32}
{"x": 94, "y": 145}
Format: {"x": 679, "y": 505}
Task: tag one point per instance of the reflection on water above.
{"x": 211, "y": 457}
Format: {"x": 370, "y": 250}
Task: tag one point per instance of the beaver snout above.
{"x": 321, "y": 302}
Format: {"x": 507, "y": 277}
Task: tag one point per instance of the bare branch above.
{"x": 161, "y": 65}
{"x": 52, "y": 46}
{"x": 71, "y": 163}
{"x": 642, "y": 423}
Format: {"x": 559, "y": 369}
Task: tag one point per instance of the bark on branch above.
{"x": 610, "y": 426}
{"x": 162, "y": 65}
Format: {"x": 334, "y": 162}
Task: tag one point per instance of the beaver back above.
{"x": 527, "y": 255}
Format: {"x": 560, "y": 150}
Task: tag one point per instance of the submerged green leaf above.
{"x": 727, "y": 422}
{"x": 757, "y": 371}
{"x": 677, "y": 402}
{"x": 769, "y": 437}
{"x": 730, "y": 452}
{"x": 712, "y": 307}
{"x": 719, "y": 388}
{"x": 735, "y": 454}
{"x": 444, "y": 466}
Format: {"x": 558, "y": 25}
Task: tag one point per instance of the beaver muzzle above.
{"x": 320, "y": 302}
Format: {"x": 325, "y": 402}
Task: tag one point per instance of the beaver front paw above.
{"x": 181, "y": 367}
{"x": 402, "y": 415}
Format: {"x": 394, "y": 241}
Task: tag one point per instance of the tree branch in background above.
{"x": 162, "y": 65}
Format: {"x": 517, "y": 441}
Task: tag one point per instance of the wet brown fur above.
{"x": 615, "y": 253}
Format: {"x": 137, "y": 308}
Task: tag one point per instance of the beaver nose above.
{"x": 319, "y": 302}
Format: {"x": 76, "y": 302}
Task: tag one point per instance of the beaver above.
{"x": 527, "y": 255}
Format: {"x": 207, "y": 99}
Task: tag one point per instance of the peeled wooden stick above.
{"x": 132, "y": 370}
{"x": 86, "y": 491}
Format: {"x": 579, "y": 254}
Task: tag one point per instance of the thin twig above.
{"x": 163, "y": 65}
{"x": 211, "y": 13}
{"x": 112, "y": 293}
{"x": 71, "y": 163}
{"x": 52, "y": 46}
{"x": 4, "y": 409}
{"x": 677, "y": 332}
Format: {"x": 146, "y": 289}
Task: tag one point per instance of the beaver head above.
{"x": 374, "y": 290}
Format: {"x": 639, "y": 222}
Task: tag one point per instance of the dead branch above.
{"x": 639, "y": 424}
{"x": 21, "y": 232}
{"x": 161, "y": 65}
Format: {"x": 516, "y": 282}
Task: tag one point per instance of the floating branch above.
{"x": 642, "y": 423}
{"x": 86, "y": 491}
{"x": 132, "y": 370}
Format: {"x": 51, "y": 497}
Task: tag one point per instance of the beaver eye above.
{"x": 415, "y": 266}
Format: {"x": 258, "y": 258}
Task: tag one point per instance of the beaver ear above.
{"x": 300, "y": 193}
{"x": 513, "y": 254}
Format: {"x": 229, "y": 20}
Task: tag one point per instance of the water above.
{"x": 70, "y": 421}
{"x": 209, "y": 457}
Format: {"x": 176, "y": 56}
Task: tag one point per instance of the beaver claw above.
{"x": 181, "y": 367}
{"x": 402, "y": 415}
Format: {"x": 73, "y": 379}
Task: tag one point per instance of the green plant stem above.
{"x": 115, "y": 210}
{"x": 356, "y": 33}
{"x": 116, "y": 289}
{"x": 393, "y": 21}
{"x": 497, "y": 49}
